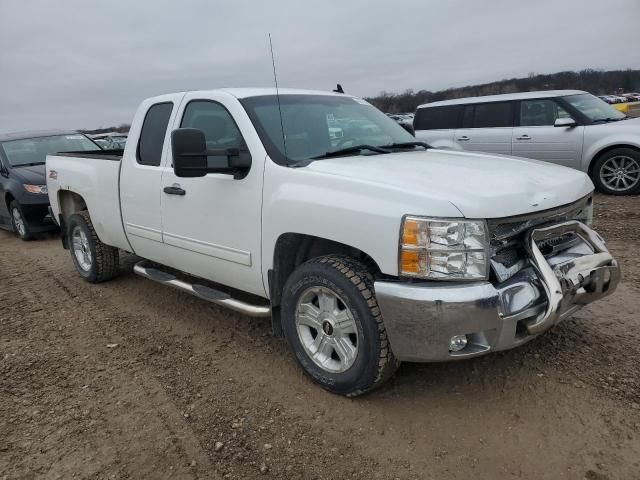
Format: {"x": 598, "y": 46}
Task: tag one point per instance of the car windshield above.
{"x": 317, "y": 125}
{"x": 33, "y": 151}
{"x": 596, "y": 109}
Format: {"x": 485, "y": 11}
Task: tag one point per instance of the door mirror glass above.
{"x": 189, "y": 150}
{"x": 565, "y": 122}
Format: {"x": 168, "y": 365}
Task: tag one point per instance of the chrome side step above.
{"x": 212, "y": 295}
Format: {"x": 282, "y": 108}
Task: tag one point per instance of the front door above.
{"x": 213, "y": 229}
{"x": 536, "y": 137}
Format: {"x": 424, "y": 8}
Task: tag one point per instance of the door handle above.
{"x": 523, "y": 137}
{"x": 174, "y": 190}
{"x": 463, "y": 138}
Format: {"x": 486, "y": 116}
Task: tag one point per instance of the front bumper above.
{"x": 421, "y": 318}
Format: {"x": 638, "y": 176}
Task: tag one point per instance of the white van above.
{"x": 567, "y": 127}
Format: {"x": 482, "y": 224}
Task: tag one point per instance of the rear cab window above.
{"x": 153, "y": 133}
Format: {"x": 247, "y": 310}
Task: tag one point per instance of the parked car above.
{"x": 568, "y": 127}
{"x": 23, "y": 192}
{"x": 632, "y": 97}
{"x": 365, "y": 253}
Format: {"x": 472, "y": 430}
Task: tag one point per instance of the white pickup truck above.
{"x": 365, "y": 247}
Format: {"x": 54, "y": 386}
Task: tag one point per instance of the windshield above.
{"x": 596, "y": 109}
{"x": 30, "y": 151}
{"x": 315, "y": 125}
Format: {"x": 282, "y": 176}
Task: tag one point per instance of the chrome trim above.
{"x": 580, "y": 280}
{"x": 143, "y": 269}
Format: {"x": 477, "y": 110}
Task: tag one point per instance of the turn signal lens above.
{"x": 410, "y": 261}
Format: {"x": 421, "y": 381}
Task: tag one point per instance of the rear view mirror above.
{"x": 189, "y": 149}
{"x": 565, "y": 122}
{"x": 190, "y": 156}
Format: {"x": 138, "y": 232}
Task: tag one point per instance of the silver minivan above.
{"x": 567, "y": 127}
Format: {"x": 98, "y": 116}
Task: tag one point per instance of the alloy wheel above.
{"x": 326, "y": 329}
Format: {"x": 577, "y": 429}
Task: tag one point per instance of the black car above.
{"x": 24, "y": 203}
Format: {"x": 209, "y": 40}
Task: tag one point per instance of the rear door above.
{"x": 141, "y": 176}
{"x": 536, "y": 137}
{"x": 486, "y": 127}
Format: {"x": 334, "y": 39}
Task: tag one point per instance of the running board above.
{"x": 206, "y": 293}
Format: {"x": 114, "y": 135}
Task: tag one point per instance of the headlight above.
{"x": 586, "y": 214}
{"x": 36, "y": 188}
{"x": 443, "y": 249}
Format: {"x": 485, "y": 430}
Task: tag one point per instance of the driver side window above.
{"x": 217, "y": 124}
{"x": 539, "y": 113}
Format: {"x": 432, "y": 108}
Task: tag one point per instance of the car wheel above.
{"x": 95, "y": 261}
{"x": 617, "y": 172}
{"x": 19, "y": 222}
{"x": 333, "y": 325}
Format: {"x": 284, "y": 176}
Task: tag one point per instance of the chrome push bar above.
{"x": 580, "y": 280}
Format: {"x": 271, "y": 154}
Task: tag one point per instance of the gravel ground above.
{"x": 130, "y": 379}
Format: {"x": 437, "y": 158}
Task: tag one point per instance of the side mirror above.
{"x": 189, "y": 149}
{"x": 565, "y": 122}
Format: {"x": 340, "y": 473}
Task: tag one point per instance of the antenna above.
{"x": 275, "y": 79}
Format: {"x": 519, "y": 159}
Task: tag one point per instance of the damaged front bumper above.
{"x": 422, "y": 318}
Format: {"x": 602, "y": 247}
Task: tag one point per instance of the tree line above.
{"x": 598, "y": 82}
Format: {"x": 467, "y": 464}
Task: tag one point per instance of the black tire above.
{"x": 602, "y": 162}
{"x": 352, "y": 282}
{"x": 25, "y": 232}
{"x": 104, "y": 259}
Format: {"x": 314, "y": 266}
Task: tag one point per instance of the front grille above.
{"x": 507, "y": 236}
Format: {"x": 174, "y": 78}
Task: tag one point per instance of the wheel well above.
{"x": 292, "y": 250}
{"x": 70, "y": 203}
{"x": 8, "y": 198}
{"x": 606, "y": 150}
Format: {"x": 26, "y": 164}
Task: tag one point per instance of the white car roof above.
{"x": 504, "y": 97}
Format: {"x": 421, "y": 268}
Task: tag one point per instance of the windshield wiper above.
{"x": 406, "y": 145}
{"x": 609, "y": 119}
{"x": 348, "y": 150}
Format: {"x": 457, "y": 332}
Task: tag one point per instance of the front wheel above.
{"x": 334, "y": 327}
{"x": 95, "y": 261}
{"x": 19, "y": 222}
{"x": 617, "y": 172}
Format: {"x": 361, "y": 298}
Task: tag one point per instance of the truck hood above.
{"x": 478, "y": 185}
{"x": 34, "y": 175}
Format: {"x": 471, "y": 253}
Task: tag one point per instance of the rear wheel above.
{"x": 333, "y": 325}
{"x": 95, "y": 261}
{"x": 617, "y": 172}
{"x": 19, "y": 222}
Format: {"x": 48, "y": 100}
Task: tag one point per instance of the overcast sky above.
{"x": 88, "y": 63}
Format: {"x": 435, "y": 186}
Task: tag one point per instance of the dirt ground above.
{"x": 130, "y": 379}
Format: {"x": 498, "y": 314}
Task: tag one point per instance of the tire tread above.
{"x": 360, "y": 275}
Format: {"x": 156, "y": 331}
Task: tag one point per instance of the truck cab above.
{"x": 366, "y": 248}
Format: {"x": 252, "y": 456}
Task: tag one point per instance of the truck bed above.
{"x": 94, "y": 176}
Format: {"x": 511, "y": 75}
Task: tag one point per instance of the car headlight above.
{"x": 439, "y": 249}
{"x": 36, "y": 188}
